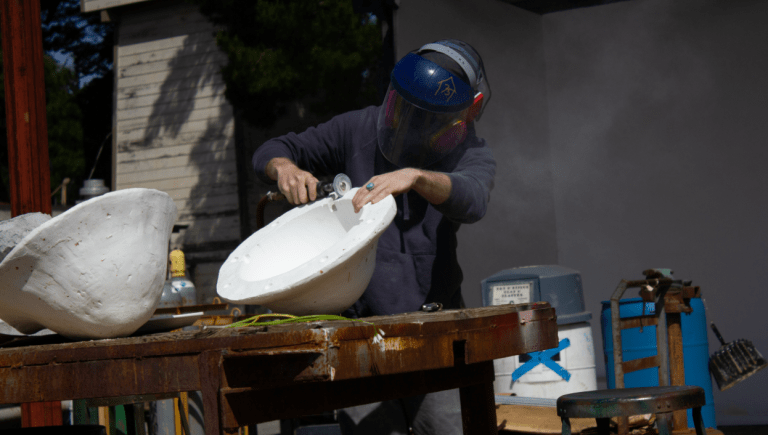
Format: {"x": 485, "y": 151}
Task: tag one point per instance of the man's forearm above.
{"x": 435, "y": 187}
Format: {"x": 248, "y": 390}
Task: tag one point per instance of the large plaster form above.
{"x": 314, "y": 259}
{"x": 95, "y": 271}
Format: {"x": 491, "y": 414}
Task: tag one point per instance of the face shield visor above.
{"x": 410, "y": 136}
{"x": 427, "y": 109}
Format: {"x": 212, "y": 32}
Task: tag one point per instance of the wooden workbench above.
{"x": 256, "y": 374}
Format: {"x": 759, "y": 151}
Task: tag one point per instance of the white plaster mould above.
{"x": 315, "y": 259}
{"x": 13, "y": 231}
{"x": 94, "y": 271}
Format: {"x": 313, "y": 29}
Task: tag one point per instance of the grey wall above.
{"x": 657, "y": 128}
{"x": 519, "y": 227}
{"x": 628, "y": 136}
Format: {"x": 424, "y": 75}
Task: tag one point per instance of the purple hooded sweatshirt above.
{"x": 416, "y": 259}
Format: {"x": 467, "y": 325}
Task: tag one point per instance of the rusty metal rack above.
{"x": 670, "y": 298}
{"x": 256, "y": 374}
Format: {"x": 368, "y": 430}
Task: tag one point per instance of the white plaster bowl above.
{"x": 95, "y": 271}
{"x": 315, "y": 259}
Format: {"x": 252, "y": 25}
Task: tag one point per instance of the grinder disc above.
{"x": 341, "y": 184}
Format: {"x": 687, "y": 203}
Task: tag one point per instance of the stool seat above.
{"x": 604, "y": 404}
{"x": 629, "y": 401}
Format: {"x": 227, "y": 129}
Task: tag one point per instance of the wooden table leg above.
{"x": 478, "y": 406}
{"x": 209, "y": 364}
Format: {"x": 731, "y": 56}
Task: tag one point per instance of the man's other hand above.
{"x": 435, "y": 187}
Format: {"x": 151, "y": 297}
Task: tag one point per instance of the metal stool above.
{"x": 604, "y": 404}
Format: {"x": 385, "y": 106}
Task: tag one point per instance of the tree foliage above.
{"x": 83, "y": 36}
{"x": 281, "y": 51}
{"x": 65, "y": 129}
{"x": 65, "y": 133}
{"x": 78, "y": 117}
{"x": 90, "y": 44}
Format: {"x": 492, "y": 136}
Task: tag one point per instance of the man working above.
{"x": 419, "y": 146}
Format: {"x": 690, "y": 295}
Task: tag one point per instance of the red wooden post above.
{"x": 30, "y": 177}
{"x": 41, "y": 414}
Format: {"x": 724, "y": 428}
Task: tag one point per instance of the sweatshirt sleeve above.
{"x": 318, "y": 150}
{"x": 471, "y": 185}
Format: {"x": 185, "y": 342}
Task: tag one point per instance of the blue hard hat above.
{"x": 429, "y": 86}
{"x": 435, "y": 92}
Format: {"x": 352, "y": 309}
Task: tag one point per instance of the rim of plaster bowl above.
{"x": 307, "y": 244}
{"x": 78, "y": 276}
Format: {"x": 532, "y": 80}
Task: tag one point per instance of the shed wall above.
{"x": 174, "y": 129}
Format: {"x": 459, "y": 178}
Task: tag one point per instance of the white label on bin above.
{"x": 517, "y": 293}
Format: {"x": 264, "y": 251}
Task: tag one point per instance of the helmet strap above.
{"x": 455, "y": 56}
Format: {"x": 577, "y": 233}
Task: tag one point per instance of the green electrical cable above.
{"x": 287, "y": 318}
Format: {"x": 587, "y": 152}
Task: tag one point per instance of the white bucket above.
{"x": 548, "y": 376}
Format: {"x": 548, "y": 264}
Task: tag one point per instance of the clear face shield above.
{"x": 410, "y": 136}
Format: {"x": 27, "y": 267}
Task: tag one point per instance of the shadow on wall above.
{"x": 195, "y": 66}
{"x": 190, "y": 126}
{"x": 191, "y": 110}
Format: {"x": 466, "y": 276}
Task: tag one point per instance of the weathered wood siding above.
{"x": 97, "y": 5}
{"x": 174, "y": 129}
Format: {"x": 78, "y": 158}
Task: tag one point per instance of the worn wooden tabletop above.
{"x": 254, "y": 374}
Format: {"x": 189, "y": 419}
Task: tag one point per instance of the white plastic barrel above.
{"x": 569, "y": 368}
{"x": 571, "y": 371}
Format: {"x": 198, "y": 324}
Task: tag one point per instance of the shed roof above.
{"x": 98, "y": 5}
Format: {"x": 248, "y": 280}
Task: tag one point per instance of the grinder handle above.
{"x": 323, "y": 189}
{"x": 717, "y": 333}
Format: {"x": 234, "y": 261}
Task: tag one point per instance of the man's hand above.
{"x": 298, "y": 186}
{"x": 435, "y": 187}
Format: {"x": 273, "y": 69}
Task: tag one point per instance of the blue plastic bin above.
{"x": 639, "y": 345}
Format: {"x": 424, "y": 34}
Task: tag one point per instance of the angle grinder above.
{"x": 340, "y": 185}
{"x": 335, "y": 189}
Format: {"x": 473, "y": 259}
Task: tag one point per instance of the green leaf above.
{"x": 282, "y": 51}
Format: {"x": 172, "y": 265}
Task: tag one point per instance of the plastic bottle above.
{"x": 170, "y": 298}
{"x": 179, "y": 280}
{"x": 178, "y": 290}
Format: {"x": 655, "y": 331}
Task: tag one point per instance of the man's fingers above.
{"x": 378, "y": 197}
{"x": 359, "y": 200}
{"x": 301, "y": 193}
{"x": 374, "y": 195}
{"x": 300, "y": 188}
{"x": 285, "y": 189}
{"x": 312, "y": 188}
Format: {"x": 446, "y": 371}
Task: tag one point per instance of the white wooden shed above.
{"x": 173, "y": 129}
